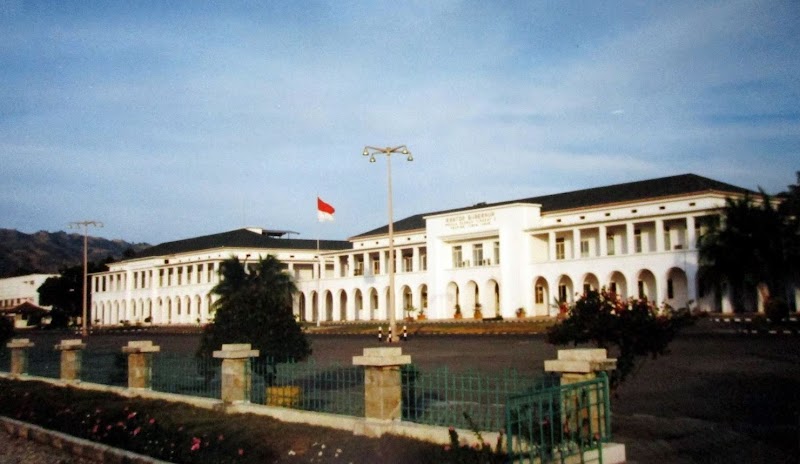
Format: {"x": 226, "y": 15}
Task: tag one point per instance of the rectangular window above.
{"x": 376, "y": 267}
{"x": 457, "y": 259}
{"x": 189, "y": 274}
{"x": 423, "y": 262}
{"x": 407, "y": 264}
{"x": 611, "y": 248}
{"x": 180, "y": 276}
{"x": 562, "y": 293}
{"x": 641, "y": 289}
{"x": 667, "y": 239}
{"x": 559, "y": 248}
{"x": 497, "y": 252}
{"x": 359, "y": 268}
{"x": 199, "y": 272}
{"x": 670, "y": 290}
{"x": 584, "y": 248}
{"x": 210, "y": 271}
{"x": 539, "y": 294}
{"x": 477, "y": 254}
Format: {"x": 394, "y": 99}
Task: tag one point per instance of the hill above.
{"x": 48, "y": 252}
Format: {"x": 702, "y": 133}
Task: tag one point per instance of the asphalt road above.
{"x": 716, "y": 397}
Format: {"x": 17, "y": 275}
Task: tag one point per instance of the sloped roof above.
{"x": 240, "y": 238}
{"x": 683, "y": 184}
{"x": 26, "y": 307}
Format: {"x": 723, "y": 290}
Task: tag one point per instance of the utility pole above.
{"x": 85, "y": 226}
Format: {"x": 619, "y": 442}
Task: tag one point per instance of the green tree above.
{"x": 753, "y": 246}
{"x": 255, "y": 307}
{"x": 631, "y": 330}
{"x": 6, "y": 330}
{"x": 65, "y": 292}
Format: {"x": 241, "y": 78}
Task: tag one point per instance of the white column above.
{"x": 603, "y": 241}
{"x": 415, "y": 260}
{"x": 398, "y": 260}
{"x": 629, "y": 241}
{"x": 551, "y": 246}
{"x": 690, "y": 234}
{"x": 576, "y": 243}
{"x": 351, "y": 265}
{"x": 659, "y": 235}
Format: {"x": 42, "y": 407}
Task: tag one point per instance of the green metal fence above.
{"x": 44, "y": 362}
{"x": 108, "y": 368}
{"x": 333, "y": 388}
{"x": 186, "y": 375}
{"x": 552, "y": 424}
{"x": 463, "y": 399}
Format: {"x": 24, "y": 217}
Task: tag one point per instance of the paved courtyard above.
{"x": 716, "y": 398}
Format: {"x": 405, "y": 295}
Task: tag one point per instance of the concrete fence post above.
{"x": 236, "y": 382}
{"x": 581, "y": 365}
{"x": 71, "y": 357}
{"x": 19, "y": 355}
{"x": 382, "y": 382}
{"x": 140, "y": 363}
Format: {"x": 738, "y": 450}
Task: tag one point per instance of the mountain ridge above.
{"x": 49, "y": 252}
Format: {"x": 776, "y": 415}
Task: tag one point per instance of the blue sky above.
{"x": 168, "y": 120}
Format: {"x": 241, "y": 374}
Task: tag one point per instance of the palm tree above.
{"x": 256, "y": 307}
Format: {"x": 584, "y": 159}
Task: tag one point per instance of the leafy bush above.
{"x": 630, "y": 329}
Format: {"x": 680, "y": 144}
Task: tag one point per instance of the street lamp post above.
{"x": 85, "y": 226}
{"x": 388, "y": 151}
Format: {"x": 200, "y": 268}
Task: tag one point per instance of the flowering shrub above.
{"x": 630, "y": 329}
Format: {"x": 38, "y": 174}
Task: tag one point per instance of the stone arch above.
{"x": 565, "y": 290}
{"x": 618, "y": 284}
{"x": 541, "y": 298}
{"x": 677, "y": 288}
{"x": 407, "y": 298}
{"x": 423, "y": 297}
{"x": 342, "y": 305}
{"x": 373, "y": 303}
{"x": 590, "y": 282}
{"x": 358, "y": 303}
{"x": 472, "y": 296}
{"x": 646, "y": 286}
{"x": 314, "y": 306}
{"x": 188, "y": 318}
{"x": 328, "y": 305}
{"x": 453, "y": 296}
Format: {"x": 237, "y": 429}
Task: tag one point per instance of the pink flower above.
{"x": 151, "y": 421}
{"x": 195, "y": 443}
{"x": 136, "y": 431}
{"x": 220, "y": 437}
{"x": 132, "y": 415}
{"x": 241, "y": 452}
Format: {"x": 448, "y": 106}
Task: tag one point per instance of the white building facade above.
{"x": 23, "y": 289}
{"x": 638, "y": 239}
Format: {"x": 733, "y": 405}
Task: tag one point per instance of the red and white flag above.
{"x": 324, "y": 211}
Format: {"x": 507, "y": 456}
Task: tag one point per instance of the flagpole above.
{"x": 319, "y": 275}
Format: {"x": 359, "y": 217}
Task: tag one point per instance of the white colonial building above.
{"x": 638, "y": 239}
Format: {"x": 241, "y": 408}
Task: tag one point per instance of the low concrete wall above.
{"x": 613, "y": 453}
{"x": 76, "y": 446}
